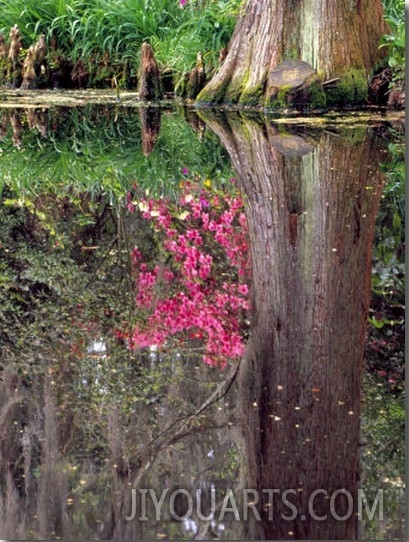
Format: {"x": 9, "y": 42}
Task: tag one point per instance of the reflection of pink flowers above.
{"x": 130, "y": 205}
{"x": 136, "y": 255}
{"x": 198, "y": 290}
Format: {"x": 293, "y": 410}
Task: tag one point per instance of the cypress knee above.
{"x": 28, "y": 72}
{"x": 13, "y": 65}
{"x": 149, "y": 87}
{"x": 197, "y": 78}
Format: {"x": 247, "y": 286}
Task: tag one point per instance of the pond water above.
{"x": 184, "y": 318}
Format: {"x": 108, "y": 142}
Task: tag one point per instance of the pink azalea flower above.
{"x": 194, "y": 293}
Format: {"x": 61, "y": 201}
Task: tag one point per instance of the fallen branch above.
{"x": 330, "y": 81}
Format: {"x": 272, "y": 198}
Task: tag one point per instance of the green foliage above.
{"x": 317, "y": 96}
{"x": 384, "y": 396}
{"x": 206, "y": 26}
{"x": 99, "y": 30}
{"x": 351, "y": 89}
{"x": 395, "y": 40}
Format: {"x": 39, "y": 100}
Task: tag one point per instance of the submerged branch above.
{"x": 183, "y": 427}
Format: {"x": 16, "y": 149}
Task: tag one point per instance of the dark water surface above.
{"x": 143, "y": 253}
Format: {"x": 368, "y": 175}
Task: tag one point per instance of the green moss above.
{"x": 310, "y": 96}
{"x": 251, "y": 97}
{"x": 212, "y": 95}
{"x": 236, "y": 88}
{"x": 231, "y": 92}
{"x": 292, "y": 54}
{"x": 351, "y": 89}
{"x": 317, "y": 98}
{"x": 353, "y": 136}
{"x": 283, "y": 96}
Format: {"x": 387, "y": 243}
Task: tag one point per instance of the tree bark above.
{"x": 333, "y": 36}
{"x": 311, "y": 208}
{"x": 149, "y": 86}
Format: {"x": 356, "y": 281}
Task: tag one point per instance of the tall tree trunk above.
{"x": 311, "y": 208}
{"x": 337, "y": 38}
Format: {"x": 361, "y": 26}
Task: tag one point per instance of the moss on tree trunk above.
{"x": 335, "y": 37}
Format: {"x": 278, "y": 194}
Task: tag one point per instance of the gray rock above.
{"x": 291, "y": 145}
{"x": 291, "y": 73}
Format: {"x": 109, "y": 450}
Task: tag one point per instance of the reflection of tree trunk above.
{"x": 17, "y": 127}
{"x": 150, "y": 126}
{"x": 53, "y": 482}
{"x": 311, "y": 211}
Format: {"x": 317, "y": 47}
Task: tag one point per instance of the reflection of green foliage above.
{"x": 43, "y": 263}
{"x": 388, "y": 268}
{"x": 99, "y": 150}
{"x": 383, "y": 456}
{"x": 231, "y": 467}
{"x": 58, "y": 299}
{"x": 60, "y": 306}
{"x": 384, "y": 409}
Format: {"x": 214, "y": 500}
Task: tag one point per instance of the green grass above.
{"x": 115, "y": 30}
{"x": 101, "y": 31}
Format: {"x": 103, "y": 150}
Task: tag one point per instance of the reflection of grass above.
{"x": 98, "y": 150}
{"x": 383, "y": 409}
{"x": 383, "y": 457}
